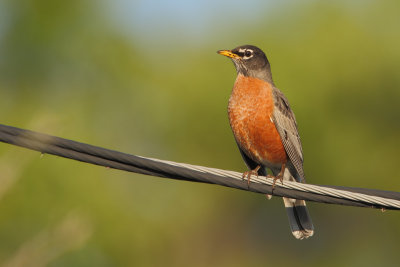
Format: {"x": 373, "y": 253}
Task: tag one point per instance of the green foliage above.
{"x": 72, "y": 70}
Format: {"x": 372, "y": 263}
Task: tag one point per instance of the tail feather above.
{"x": 299, "y": 218}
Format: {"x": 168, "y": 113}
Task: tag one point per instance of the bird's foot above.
{"x": 278, "y": 177}
{"x": 248, "y": 174}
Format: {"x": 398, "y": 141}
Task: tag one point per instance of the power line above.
{"x": 48, "y": 144}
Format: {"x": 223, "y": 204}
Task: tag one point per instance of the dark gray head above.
{"x": 250, "y": 61}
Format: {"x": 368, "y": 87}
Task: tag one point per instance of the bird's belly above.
{"x": 254, "y": 130}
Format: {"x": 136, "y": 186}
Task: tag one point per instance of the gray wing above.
{"x": 285, "y": 123}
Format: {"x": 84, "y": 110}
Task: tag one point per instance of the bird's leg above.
{"x": 250, "y": 173}
{"x": 279, "y": 176}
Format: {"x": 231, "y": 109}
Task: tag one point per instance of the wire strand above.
{"x": 350, "y": 196}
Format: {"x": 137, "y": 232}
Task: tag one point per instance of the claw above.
{"x": 250, "y": 173}
{"x": 278, "y": 177}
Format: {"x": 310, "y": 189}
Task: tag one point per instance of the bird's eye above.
{"x": 247, "y": 53}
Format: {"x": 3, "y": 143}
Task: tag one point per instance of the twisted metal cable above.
{"x": 48, "y": 144}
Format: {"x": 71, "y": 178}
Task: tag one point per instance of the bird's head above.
{"x": 249, "y": 61}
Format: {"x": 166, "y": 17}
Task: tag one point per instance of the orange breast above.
{"x": 250, "y": 110}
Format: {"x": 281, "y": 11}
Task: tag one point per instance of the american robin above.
{"x": 265, "y": 129}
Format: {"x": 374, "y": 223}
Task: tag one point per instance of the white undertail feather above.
{"x": 299, "y": 219}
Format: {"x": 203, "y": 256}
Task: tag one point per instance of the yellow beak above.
{"x": 228, "y": 53}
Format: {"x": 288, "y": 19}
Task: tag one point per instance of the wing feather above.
{"x": 285, "y": 122}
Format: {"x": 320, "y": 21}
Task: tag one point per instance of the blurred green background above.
{"x": 143, "y": 77}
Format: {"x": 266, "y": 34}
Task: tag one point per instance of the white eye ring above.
{"x": 248, "y": 53}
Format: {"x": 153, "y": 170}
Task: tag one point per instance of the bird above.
{"x": 265, "y": 129}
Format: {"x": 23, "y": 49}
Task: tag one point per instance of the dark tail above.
{"x": 299, "y": 218}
